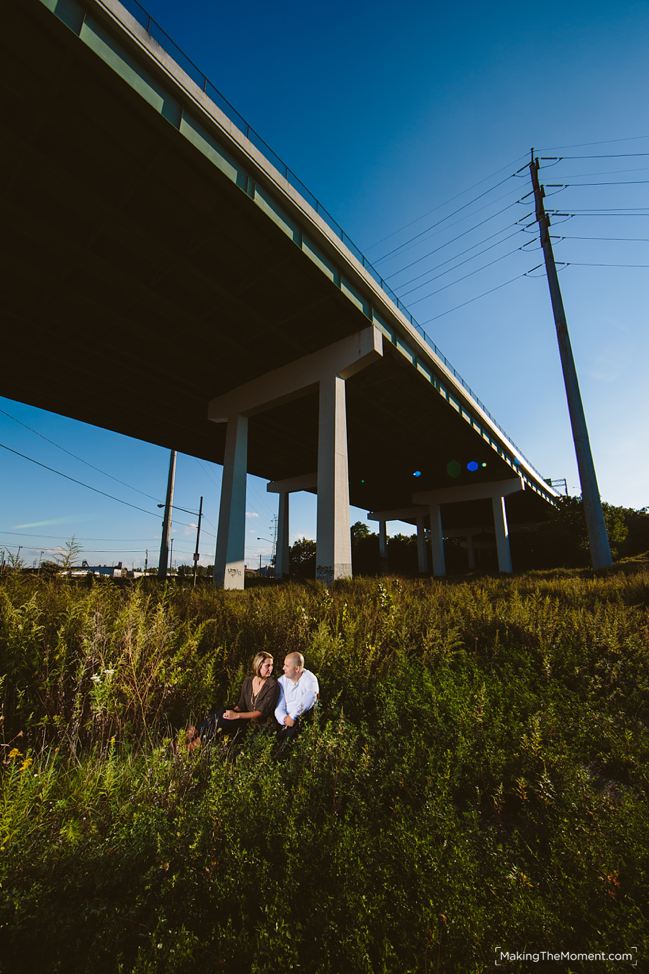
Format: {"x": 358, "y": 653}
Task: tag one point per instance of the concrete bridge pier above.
{"x": 229, "y": 561}
{"x": 495, "y": 491}
{"x": 502, "y": 534}
{"x": 284, "y": 488}
{"x": 422, "y": 552}
{"x": 333, "y": 538}
{"x": 470, "y": 552}
{"x": 327, "y": 369}
{"x": 437, "y": 541}
{"x": 383, "y": 545}
{"x": 282, "y": 546}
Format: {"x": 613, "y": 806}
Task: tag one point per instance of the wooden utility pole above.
{"x": 600, "y": 552}
{"x": 198, "y": 538}
{"x": 166, "y": 522}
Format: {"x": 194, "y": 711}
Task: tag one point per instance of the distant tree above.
{"x": 302, "y": 558}
{"x": 359, "y": 531}
{"x": 69, "y": 554}
{"x": 14, "y": 562}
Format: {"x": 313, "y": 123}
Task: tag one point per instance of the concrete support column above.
{"x": 502, "y": 534}
{"x": 333, "y": 541}
{"x": 437, "y": 540}
{"x": 470, "y": 551}
{"x": 229, "y": 561}
{"x": 422, "y": 554}
{"x": 383, "y": 545}
{"x": 281, "y": 553}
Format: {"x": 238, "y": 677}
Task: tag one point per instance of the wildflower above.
{"x": 26, "y": 764}
{"x": 109, "y": 673}
{"x": 95, "y": 678}
{"x": 14, "y": 753}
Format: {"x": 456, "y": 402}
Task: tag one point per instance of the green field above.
{"x": 476, "y": 777}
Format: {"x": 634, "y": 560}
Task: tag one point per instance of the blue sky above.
{"x": 386, "y": 111}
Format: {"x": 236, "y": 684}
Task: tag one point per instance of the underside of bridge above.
{"x": 143, "y": 283}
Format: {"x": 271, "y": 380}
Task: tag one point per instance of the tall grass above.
{"x": 476, "y": 776}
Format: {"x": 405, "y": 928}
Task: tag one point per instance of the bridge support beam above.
{"x": 422, "y": 553}
{"x": 284, "y": 488}
{"x": 282, "y": 546}
{"x": 327, "y": 370}
{"x": 502, "y": 534}
{"x": 333, "y": 537}
{"x": 470, "y": 552}
{"x": 437, "y": 541}
{"x": 229, "y": 561}
{"x": 383, "y": 544}
{"x": 495, "y": 491}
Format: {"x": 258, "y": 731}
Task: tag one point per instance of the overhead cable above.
{"x": 464, "y": 233}
{"x": 438, "y": 223}
{"x": 79, "y": 482}
{"x": 581, "y": 145}
{"x": 478, "y": 296}
{"x": 465, "y": 276}
{"x": 76, "y": 457}
{"x": 429, "y": 270}
{"x": 466, "y": 260}
{"x": 451, "y": 199}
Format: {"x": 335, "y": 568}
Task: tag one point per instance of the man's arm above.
{"x": 309, "y": 690}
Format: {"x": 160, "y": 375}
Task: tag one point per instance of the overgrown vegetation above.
{"x": 476, "y": 776}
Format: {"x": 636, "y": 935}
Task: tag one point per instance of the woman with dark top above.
{"x": 256, "y": 705}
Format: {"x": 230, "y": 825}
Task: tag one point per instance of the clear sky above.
{"x": 395, "y": 115}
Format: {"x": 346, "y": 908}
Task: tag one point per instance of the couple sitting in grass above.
{"x": 263, "y": 700}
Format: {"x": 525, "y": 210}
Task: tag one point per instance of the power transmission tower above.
{"x": 600, "y": 552}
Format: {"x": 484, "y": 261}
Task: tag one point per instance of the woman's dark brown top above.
{"x": 266, "y": 699}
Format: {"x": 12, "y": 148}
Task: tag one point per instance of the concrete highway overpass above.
{"x": 168, "y": 278}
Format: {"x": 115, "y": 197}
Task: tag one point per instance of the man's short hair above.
{"x": 297, "y": 658}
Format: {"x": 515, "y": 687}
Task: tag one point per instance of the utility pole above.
{"x": 146, "y": 560}
{"x": 600, "y": 552}
{"x": 166, "y": 521}
{"x": 198, "y": 538}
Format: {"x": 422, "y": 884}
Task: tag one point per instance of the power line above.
{"x": 620, "y": 182}
{"x": 459, "y": 236}
{"x": 443, "y": 220}
{"x": 603, "y": 211}
{"x": 65, "y": 537}
{"x": 76, "y": 457}
{"x": 465, "y": 276}
{"x": 80, "y": 482}
{"x": 617, "y": 155}
{"x": 482, "y": 295}
{"x": 451, "y": 199}
{"x": 580, "y": 145}
{"x": 573, "y": 263}
{"x": 600, "y": 172}
{"x": 617, "y": 239}
{"x": 462, "y": 262}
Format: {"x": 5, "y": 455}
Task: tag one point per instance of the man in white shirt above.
{"x": 298, "y": 694}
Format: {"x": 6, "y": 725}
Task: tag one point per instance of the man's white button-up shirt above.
{"x": 296, "y": 699}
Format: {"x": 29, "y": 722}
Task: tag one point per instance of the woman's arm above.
{"x": 238, "y": 715}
